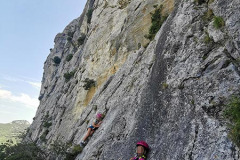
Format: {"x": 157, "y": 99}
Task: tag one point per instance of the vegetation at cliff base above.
{"x": 232, "y": 112}
{"x": 9, "y": 132}
{"x": 75, "y": 151}
{"x": 21, "y": 151}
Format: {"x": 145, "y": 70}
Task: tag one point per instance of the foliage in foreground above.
{"x": 21, "y": 151}
{"x": 30, "y": 151}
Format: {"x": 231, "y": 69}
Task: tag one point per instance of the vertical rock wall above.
{"x": 170, "y": 92}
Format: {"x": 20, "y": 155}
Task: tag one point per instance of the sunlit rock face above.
{"x": 170, "y": 91}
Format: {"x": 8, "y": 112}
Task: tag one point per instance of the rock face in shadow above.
{"x": 170, "y": 92}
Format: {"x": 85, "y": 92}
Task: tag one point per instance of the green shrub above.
{"x": 69, "y": 57}
{"x": 58, "y": 147}
{"x": 157, "y": 21}
{"x": 43, "y": 138}
{"x": 87, "y": 121}
{"x": 70, "y": 34}
{"x": 208, "y": 16}
{"x": 95, "y": 108}
{"x": 207, "y": 38}
{"x": 88, "y": 83}
{"x": 103, "y": 115}
{"x": 192, "y": 102}
{"x": 47, "y": 124}
{"x": 56, "y": 60}
{"x": 181, "y": 86}
{"x": 81, "y": 39}
{"x": 232, "y": 112}
{"x": 210, "y": 1}
{"x": 89, "y": 15}
{"x": 76, "y": 150}
{"x": 44, "y": 135}
{"x": 199, "y": 2}
{"x": 218, "y": 22}
{"x": 164, "y": 85}
{"x": 21, "y": 151}
{"x": 68, "y": 75}
{"x": 69, "y": 39}
{"x": 46, "y": 116}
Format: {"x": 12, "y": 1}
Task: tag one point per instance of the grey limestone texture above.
{"x": 169, "y": 92}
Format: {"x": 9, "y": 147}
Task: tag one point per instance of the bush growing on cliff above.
{"x": 70, "y": 34}
{"x": 89, "y": 15}
{"x": 164, "y": 85}
{"x": 68, "y": 75}
{"x": 81, "y": 39}
{"x": 233, "y": 113}
{"x": 47, "y": 124}
{"x": 66, "y": 150}
{"x": 44, "y": 135}
{"x": 199, "y": 2}
{"x": 218, "y": 22}
{"x": 207, "y": 38}
{"x": 69, "y": 57}
{"x": 59, "y": 148}
{"x": 69, "y": 39}
{"x": 88, "y": 83}
{"x": 56, "y": 60}
{"x": 157, "y": 21}
{"x": 210, "y": 1}
{"x": 208, "y": 15}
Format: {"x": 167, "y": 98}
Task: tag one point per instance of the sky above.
{"x": 27, "y": 32}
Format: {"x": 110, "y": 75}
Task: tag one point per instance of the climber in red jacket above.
{"x": 141, "y": 151}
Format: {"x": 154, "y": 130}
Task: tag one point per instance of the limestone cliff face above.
{"x": 170, "y": 92}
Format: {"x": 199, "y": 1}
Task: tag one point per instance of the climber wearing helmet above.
{"x": 141, "y": 151}
{"x": 90, "y": 130}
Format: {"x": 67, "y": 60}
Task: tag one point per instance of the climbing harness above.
{"x": 139, "y": 158}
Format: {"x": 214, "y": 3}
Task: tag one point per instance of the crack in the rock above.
{"x": 138, "y": 6}
{"x": 194, "y": 141}
{"x": 234, "y": 61}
